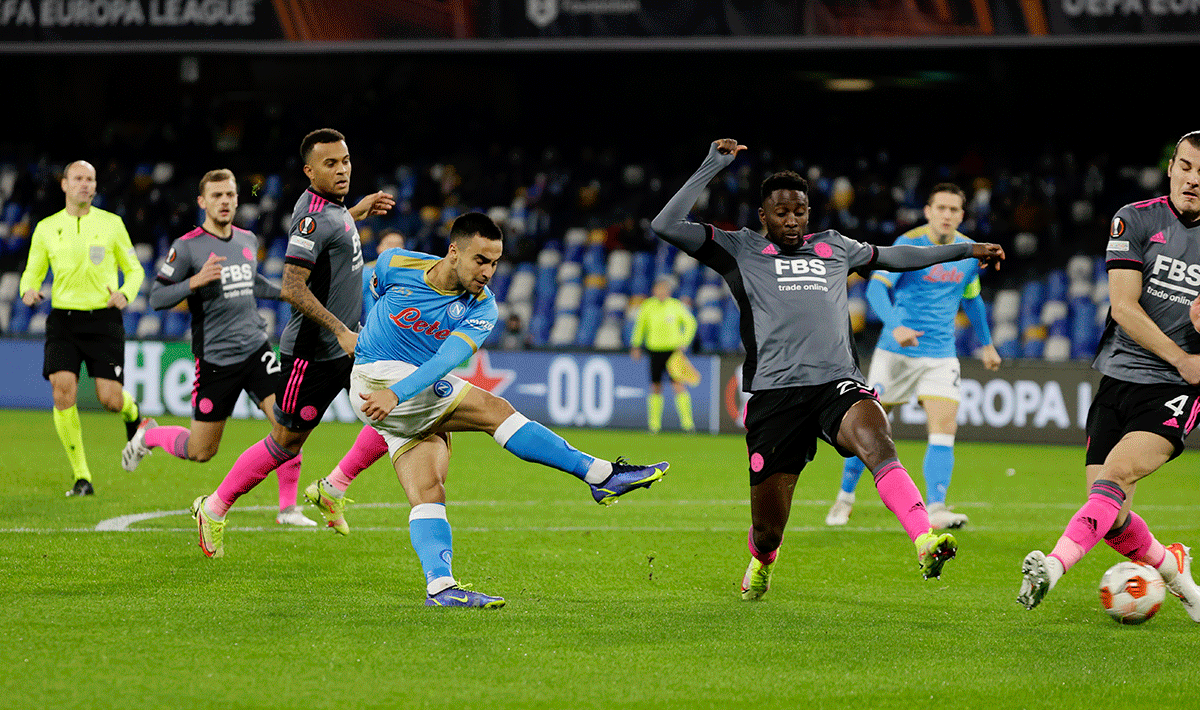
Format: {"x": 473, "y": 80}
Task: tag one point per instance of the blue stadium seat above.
{"x": 130, "y": 319}
{"x": 1084, "y": 331}
{"x": 175, "y": 324}
{"x": 1056, "y": 285}
{"x": 594, "y": 260}
{"x": 643, "y": 273}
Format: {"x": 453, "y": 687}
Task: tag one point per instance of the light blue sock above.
{"x": 530, "y": 441}
{"x": 851, "y": 472}
{"x": 429, "y": 531}
{"x": 939, "y": 464}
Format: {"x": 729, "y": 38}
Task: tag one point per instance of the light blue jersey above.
{"x": 928, "y": 299}
{"x": 412, "y": 319}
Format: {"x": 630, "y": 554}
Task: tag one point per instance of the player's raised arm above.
{"x": 671, "y": 223}
{"x": 909, "y": 257}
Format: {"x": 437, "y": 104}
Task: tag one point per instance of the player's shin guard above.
{"x": 248, "y": 471}
{"x": 172, "y": 439}
{"x": 70, "y": 433}
{"x": 368, "y": 448}
{"x": 530, "y": 441}
{"x": 900, "y": 495}
{"x": 1135, "y": 541}
{"x": 289, "y": 481}
{"x": 938, "y": 467}
{"x": 429, "y": 531}
{"x": 1090, "y": 523}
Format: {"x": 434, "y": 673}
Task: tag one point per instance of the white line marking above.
{"x": 124, "y": 523}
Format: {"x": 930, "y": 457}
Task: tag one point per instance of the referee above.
{"x": 85, "y": 246}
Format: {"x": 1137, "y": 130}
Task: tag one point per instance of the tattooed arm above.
{"x": 295, "y": 291}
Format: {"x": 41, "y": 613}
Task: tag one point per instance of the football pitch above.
{"x": 109, "y": 603}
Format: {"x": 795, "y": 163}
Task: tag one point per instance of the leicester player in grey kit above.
{"x": 214, "y": 268}
{"x": 322, "y": 280}
{"x": 800, "y": 368}
{"x": 1149, "y": 398}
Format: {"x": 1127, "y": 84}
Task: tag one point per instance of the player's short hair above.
{"x": 472, "y": 223}
{"x": 784, "y": 180}
{"x": 220, "y": 175}
{"x": 321, "y": 135}
{"x": 390, "y": 234}
{"x": 1193, "y": 138}
{"x": 947, "y": 187}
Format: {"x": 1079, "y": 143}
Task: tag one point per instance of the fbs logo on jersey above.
{"x": 1118, "y": 227}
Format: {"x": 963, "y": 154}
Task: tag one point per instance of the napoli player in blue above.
{"x": 433, "y": 314}
{"x": 915, "y": 354}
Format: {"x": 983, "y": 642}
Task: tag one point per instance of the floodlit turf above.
{"x": 633, "y": 606}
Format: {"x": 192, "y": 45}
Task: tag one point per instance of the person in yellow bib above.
{"x": 665, "y": 326}
{"x": 85, "y": 246}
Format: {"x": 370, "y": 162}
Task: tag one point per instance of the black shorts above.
{"x": 306, "y": 388}
{"x": 94, "y": 338}
{"x": 217, "y": 387}
{"x": 658, "y": 364}
{"x": 1121, "y": 407}
{"x": 782, "y": 425}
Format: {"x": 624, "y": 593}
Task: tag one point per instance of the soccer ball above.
{"x": 1132, "y": 593}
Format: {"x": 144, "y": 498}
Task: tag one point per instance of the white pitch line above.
{"x": 124, "y": 523}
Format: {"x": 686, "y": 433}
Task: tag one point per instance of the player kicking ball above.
{"x": 432, "y": 314}
{"x": 1148, "y": 400}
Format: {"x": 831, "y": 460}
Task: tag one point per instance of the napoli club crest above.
{"x": 456, "y": 310}
{"x": 442, "y": 388}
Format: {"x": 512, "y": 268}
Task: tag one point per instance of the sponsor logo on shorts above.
{"x": 442, "y": 388}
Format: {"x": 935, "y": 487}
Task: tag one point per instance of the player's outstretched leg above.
{"x": 530, "y": 441}
{"x": 332, "y": 504}
{"x": 1088, "y": 525}
{"x": 757, "y": 579}
{"x": 843, "y": 505}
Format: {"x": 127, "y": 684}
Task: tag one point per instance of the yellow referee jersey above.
{"x": 663, "y": 325}
{"x": 85, "y": 253}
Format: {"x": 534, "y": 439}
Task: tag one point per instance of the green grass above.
{"x": 625, "y": 607}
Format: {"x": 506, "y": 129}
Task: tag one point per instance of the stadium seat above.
{"x": 130, "y": 320}
{"x": 594, "y": 258}
{"x": 643, "y": 273}
{"x": 1004, "y": 338}
{"x": 731, "y": 337}
{"x": 708, "y": 327}
{"x": 501, "y": 281}
{"x": 175, "y": 324}
{"x": 608, "y": 335}
{"x": 619, "y": 271}
{"x": 37, "y": 324}
{"x": 1085, "y": 333}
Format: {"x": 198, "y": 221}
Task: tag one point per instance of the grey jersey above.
{"x": 795, "y": 321}
{"x": 226, "y": 326}
{"x": 1149, "y": 237}
{"x": 324, "y": 239}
